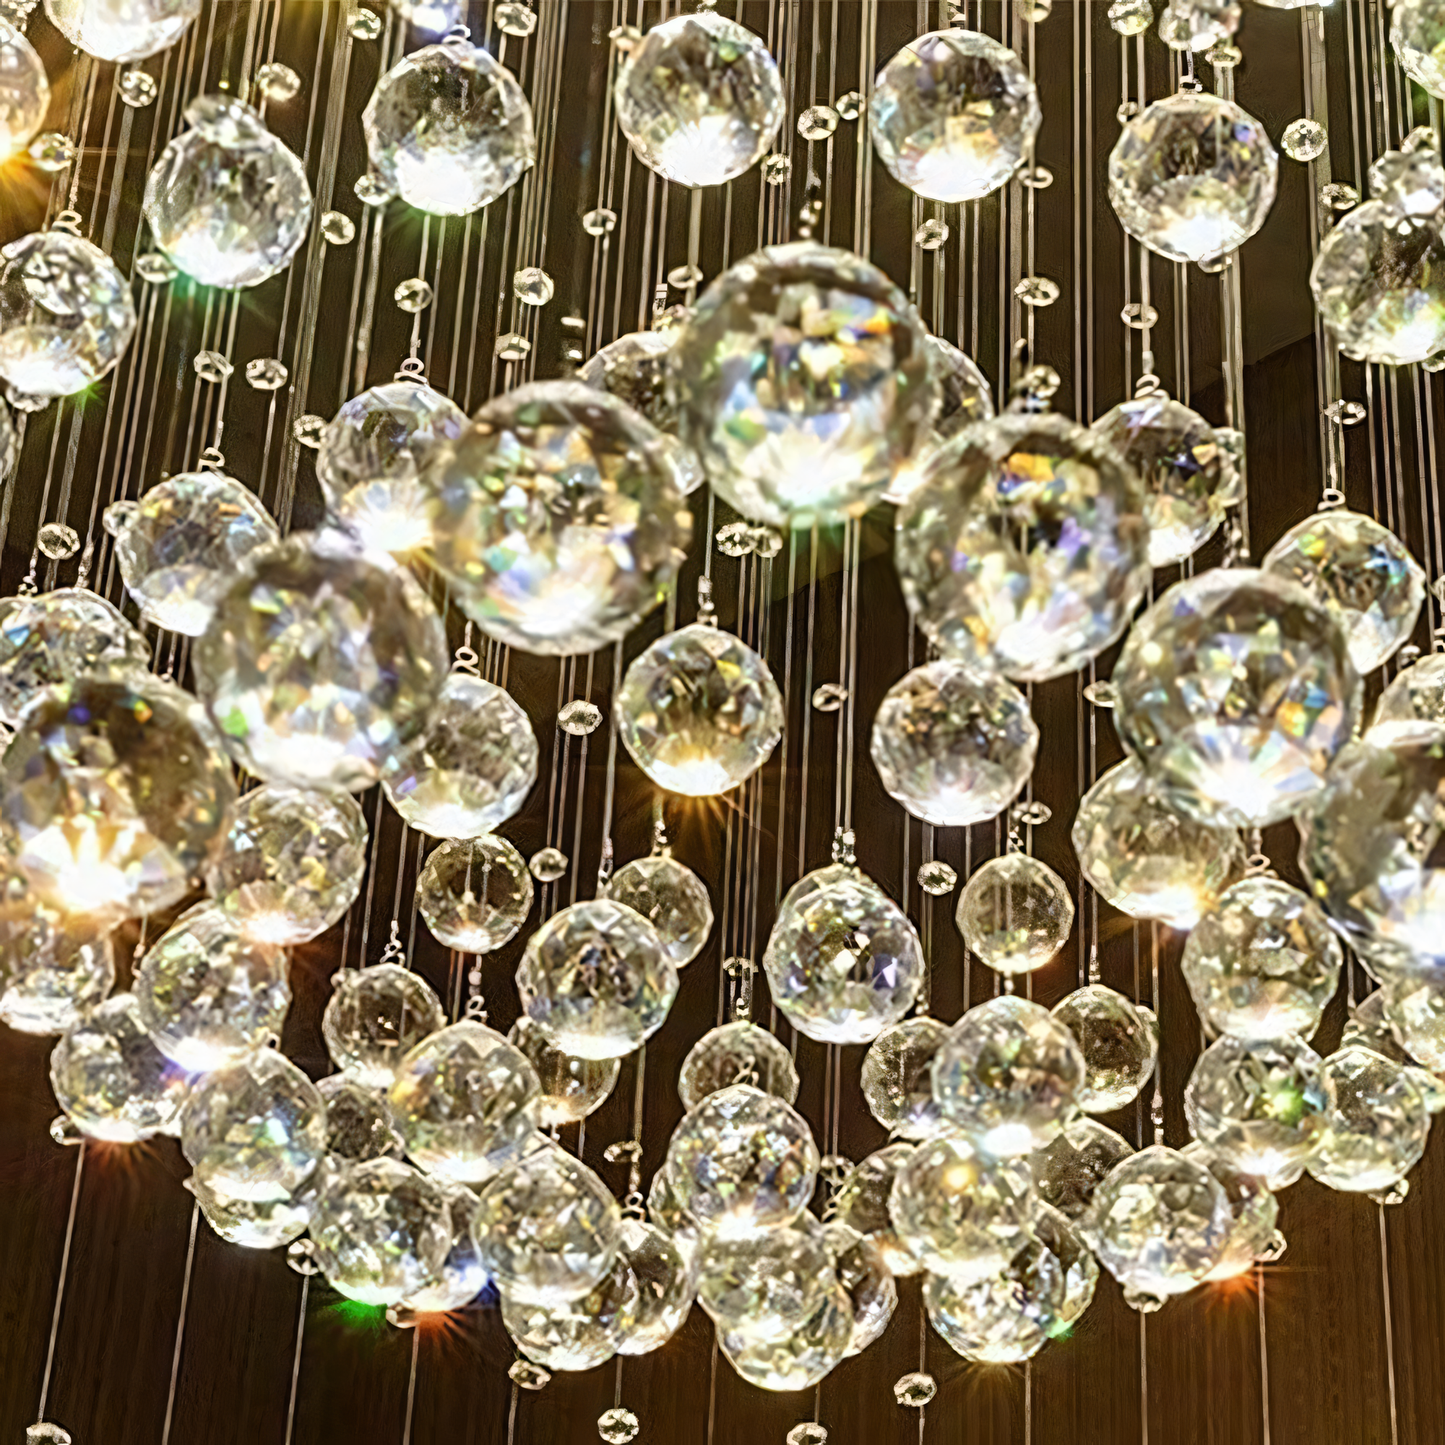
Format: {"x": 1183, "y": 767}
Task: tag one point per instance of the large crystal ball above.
{"x": 463, "y": 1275}
{"x": 122, "y": 29}
{"x": 1253, "y": 1209}
{"x": 474, "y": 893}
{"x": 766, "y": 1284}
{"x": 1417, "y": 36}
{"x": 864, "y": 1274}
{"x": 575, "y": 1334}
{"x": 24, "y": 91}
{"x": 863, "y": 1204}
{"x": 1119, "y": 1040}
{"x": 358, "y": 1119}
{"x": 672, "y": 898}
{"x": 1413, "y": 1008}
{"x": 1015, "y": 913}
{"x": 1001, "y": 1318}
{"x": 252, "y": 1223}
{"x": 1416, "y": 695}
{"x": 375, "y": 1017}
{"x": 1376, "y": 1123}
{"x": 1069, "y": 1169}
{"x": 897, "y": 1077}
{"x": 55, "y": 966}
{"x": 570, "y": 1088}
{"x": 665, "y": 1287}
{"x": 964, "y": 393}
{"x": 799, "y": 1360}
{"x": 737, "y": 1053}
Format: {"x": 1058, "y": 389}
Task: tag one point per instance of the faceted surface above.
{"x": 227, "y": 201}
{"x": 1070, "y": 1167}
{"x": 1417, "y": 34}
{"x": 897, "y": 1077}
{"x": 251, "y": 1223}
{"x": 575, "y": 1334}
{"x": 699, "y": 711}
{"x": 737, "y": 1053}
{"x": 664, "y": 1287}
{"x": 954, "y": 745}
{"x": 1366, "y": 1027}
{"x": 1235, "y": 690}
{"x": 767, "y": 1284}
{"x": 803, "y": 384}
{"x": 672, "y": 898}
{"x": 966, "y": 396}
{"x": 463, "y": 1275}
{"x": 1253, "y": 1211}
{"x": 863, "y": 1204}
{"x": 571, "y": 1088}
{"x": 24, "y": 91}
{"x": 700, "y": 99}
{"x": 358, "y": 1119}
{"x": 798, "y": 1360}
{"x": 474, "y": 893}
{"x": 1375, "y": 1126}
{"x": 122, "y": 29}
{"x": 55, "y": 967}
{"x": 863, "y": 1273}
{"x": 843, "y": 961}
{"x": 320, "y": 663}
{"x": 1417, "y": 694}
{"x": 1065, "y": 1241}
{"x": 1119, "y": 1041}
{"x": 1192, "y": 176}
{"x": 557, "y": 518}
{"x": 1003, "y": 1317}
{"x": 953, "y": 115}
{"x": 1023, "y": 549}
{"x": 375, "y": 1017}
{"x": 449, "y": 129}
{"x": 664, "y": 1210}
{"x": 596, "y": 979}
{"x": 66, "y": 315}
{"x": 1414, "y": 1008}
{"x": 1015, "y": 913}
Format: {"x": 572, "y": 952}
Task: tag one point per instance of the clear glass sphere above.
{"x": 1366, "y": 1027}
{"x": 575, "y": 1334}
{"x": 863, "y": 1272}
{"x": 1000, "y": 1318}
{"x": 843, "y": 961}
{"x": 863, "y": 1204}
{"x": 965, "y": 395}
{"x": 122, "y": 29}
{"x": 571, "y": 1088}
{"x": 664, "y": 1210}
{"x": 1415, "y": 695}
{"x": 897, "y": 1077}
{"x": 474, "y": 893}
{"x": 1119, "y": 1040}
{"x": 1069, "y": 1169}
{"x": 1065, "y": 1241}
{"x": 375, "y": 1017}
{"x": 798, "y": 1360}
{"x": 55, "y": 967}
{"x": 24, "y": 91}
{"x": 737, "y": 1053}
{"x": 1417, "y": 33}
{"x": 1253, "y": 1210}
{"x": 359, "y": 1123}
{"x": 671, "y": 897}
{"x": 1023, "y": 549}
{"x": 252, "y": 1223}
{"x": 1015, "y": 913}
{"x": 664, "y": 1287}
{"x": 1376, "y": 1123}
{"x": 765, "y": 1285}
{"x": 463, "y": 1275}
{"x": 953, "y": 115}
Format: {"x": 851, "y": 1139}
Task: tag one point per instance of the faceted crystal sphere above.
{"x": 24, "y": 91}
{"x": 320, "y": 663}
{"x": 664, "y": 1287}
{"x": 953, "y": 115}
{"x": 557, "y": 518}
{"x": 1360, "y": 571}
{"x": 448, "y": 129}
{"x": 737, "y": 1053}
{"x": 965, "y": 395}
{"x": 958, "y": 1211}
{"x": 668, "y": 1214}
{"x": 1416, "y": 695}
{"x": 800, "y": 1359}
{"x": 575, "y": 1334}
{"x": 699, "y": 711}
{"x": 897, "y": 1077}
{"x": 1148, "y": 859}
{"x": 843, "y": 961}
{"x": 1008, "y": 1075}
{"x": 382, "y": 1232}
{"x": 673, "y": 899}
{"x": 227, "y": 201}
{"x": 1065, "y": 1241}
{"x": 66, "y": 315}
{"x": 1119, "y": 1041}
{"x": 1263, "y": 962}
{"x": 1366, "y": 1027}
{"x": 1253, "y": 1209}
{"x": 700, "y": 99}
{"x": 1024, "y": 548}
{"x": 464, "y": 1100}
{"x": 1417, "y": 36}
{"x": 863, "y": 1204}
{"x": 1159, "y": 1223}
{"x": 767, "y": 1284}
{"x": 375, "y": 1017}
{"x": 1190, "y": 476}
{"x": 254, "y": 1130}
{"x": 803, "y": 383}
{"x": 122, "y": 29}
{"x": 742, "y": 1161}
{"x": 954, "y": 745}
{"x": 463, "y": 1275}
{"x": 252, "y": 1223}
{"x": 548, "y": 1229}
{"x": 358, "y": 1120}
{"x": 116, "y": 797}
{"x": 1000, "y": 1318}
{"x": 1414, "y": 1009}
{"x": 1235, "y": 690}
{"x": 1069, "y": 1169}
{"x": 861, "y": 1270}
{"x": 474, "y": 893}
{"x": 1259, "y": 1104}
{"x": 180, "y": 546}
{"x": 55, "y": 967}
{"x": 1015, "y": 913}
{"x": 1376, "y": 1123}
{"x": 1192, "y": 177}
{"x": 571, "y": 1088}
{"x": 596, "y": 980}
{"x": 111, "y": 1080}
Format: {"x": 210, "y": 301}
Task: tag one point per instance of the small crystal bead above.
{"x": 337, "y": 228}
{"x": 1038, "y": 179}
{"x": 1346, "y": 413}
{"x": 914, "y": 1389}
{"x": 937, "y": 878}
{"x": 266, "y": 373}
{"x": 152, "y": 266}
{"x": 533, "y": 286}
{"x": 1304, "y": 140}
{"x": 528, "y": 1375}
{"x": 308, "y": 429}
{"x": 364, "y": 25}
{"x": 776, "y": 169}
{"x": 818, "y": 122}
{"x": 600, "y": 222}
{"x": 931, "y": 235}
{"x": 1224, "y": 55}
{"x": 548, "y": 864}
{"x": 849, "y": 105}
{"x": 516, "y": 19}
{"x": 371, "y": 190}
{"x": 1139, "y": 315}
{"x": 137, "y": 88}
{"x": 735, "y": 539}
{"x": 513, "y": 347}
{"x": 1037, "y": 291}
{"x": 579, "y": 717}
{"x": 58, "y": 541}
{"x": 1338, "y": 196}
{"x": 277, "y": 82}
{"x": 46, "y": 1433}
{"x": 681, "y": 277}
{"x": 829, "y": 697}
{"x": 52, "y": 151}
{"x": 413, "y": 294}
{"x": 807, "y": 1434}
{"x": 212, "y": 366}
{"x": 617, "y": 1427}
{"x": 1101, "y": 693}
{"x": 766, "y": 542}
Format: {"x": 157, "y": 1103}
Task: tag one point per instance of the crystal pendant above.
{"x": 862, "y": 1203}
{"x": 1198, "y": 24}
{"x": 575, "y": 1334}
{"x": 1376, "y": 1123}
{"x": 557, "y": 519}
{"x": 897, "y": 1077}
{"x": 700, "y": 99}
{"x": 1015, "y": 913}
{"x": 1366, "y": 1027}
{"x": 1192, "y": 177}
{"x": 181, "y": 545}
{"x": 1004, "y": 1317}
{"x": 673, "y": 899}
{"x": 448, "y": 129}
{"x": 24, "y": 91}
{"x": 736, "y": 1053}
{"x": 798, "y": 1360}
{"x": 252, "y": 1223}
{"x": 664, "y": 1210}
{"x": 55, "y": 967}
{"x": 1065, "y": 1241}
{"x": 803, "y": 383}
{"x": 1235, "y": 690}
{"x": 954, "y": 115}
{"x": 66, "y": 315}
{"x": 765, "y": 1285}
{"x": 1023, "y": 548}
{"x": 843, "y": 961}
{"x": 861, "y": 1270}
{"x": 463, "y": 1276}
{"x": 571, "y": 1088}
{"x": 1263, "y": 962}
{"x": 1119, "y": 1041}
{"x": 1417, "y": 34}
{"x": 227, "y": 201}
{"x": 664, "y": 1287}
{"x": 1416, "y": 695}
{"x": 474, "y": 893}
{"x": 122, "y": 29}
{"x": 375, "y": 1017}
{"x": 1070, "y": 1168}
{"x": 1414, "y": 1008}
{"x": 699, "y": 711}
{"x": 966, "y": 396}
{"x": 358, "y": 1120}
{"x": 1253, "y": 1211}
{"x": 320, "y": 663}
{"x": 952, "y": 744}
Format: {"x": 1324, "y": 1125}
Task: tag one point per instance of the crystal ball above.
{"x": 1417, "y": 33}
{"x": 1415, "y": 695}
{"x": 1001, "y": 1318}
{"x": 24, "y": 91}
{"x": 1069, "y": 1169}
{"x": 964, "y": 393}
{"x": 865, "y": 1277}
{"x": 227, "y": 201}
{"x": 1065, "y": 1241}
{"x": 472, "y": 766}
{"x": 767, "y": 1284}
{"x": 1015, "y": 913}
{"x": 803, "y": 384}
{"x": 115, "y": 796}
{"x": 448, "y": 129}
{"x": 1192, "y": 177}
{"x": 953, "y": 115}
{"x": 1413, "y": 1005}
{"x": 1119, "y": 1040}
{"x": 463, "y": 1275}
{"x": 575, "y": 1334}
{"x": 66, "y": 315}
{"x": 843, "y": 961}
{"x": 672, "y": 898}
{"x": 742, "y": 1161}
{"x": 1263, "y": 962}
{"x": 122, "y": 29}
{"x": 320, "y": 663}
{"x": 375, "y": 1017}
{"x": 1188, "y": 467}
{"x": 1024, "y": 548}
{"x": 1367, "y": 1027}
{"x": 596, "y": 979}
{"x": 1376, "y": 1123}
{"x": 954, "y": 745}
{"x": 1360, "y": 571}
{"x": 668, "y": 1215}
{"x": 698, "y": 711}
{"x": 1148, "y": 859}
{"x": 55, "y": 967}
{"x": 570, "y": 1088}
{"x": 737, "y": 1053}
{"x": 699, "y": 99}
{"x": 897, "y": 1077}
{"x": 252, "y": 1223}
{"x": 359, "y": 1124}
{"x": 474, "y": 893}
{"x": 1235, "y": 690}
{"x": 862, "y": 1204}
{"x": 557, "y": 519}
{"x": 664, "y": 1287}
{"x": 799, "y": 1360}
{"x": 1253, "y": 1211}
